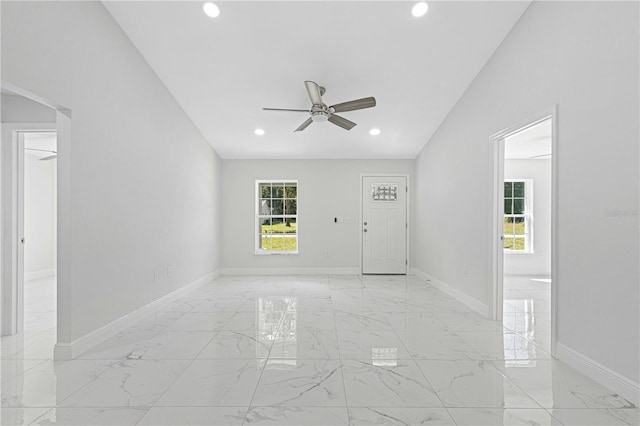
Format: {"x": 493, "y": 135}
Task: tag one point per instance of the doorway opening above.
{"x": 34, "y": 224}
{"x": 38, "y": 199}
{"x": 524, "y": 237}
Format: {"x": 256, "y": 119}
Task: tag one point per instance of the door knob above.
{"x": 365, "y": 229}
{"x": 22, "y": 240}
{"x": 365, "y": 223}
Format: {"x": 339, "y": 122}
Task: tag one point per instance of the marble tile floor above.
{"x": 309, "y": 350}
{"x": 526, "y": 309}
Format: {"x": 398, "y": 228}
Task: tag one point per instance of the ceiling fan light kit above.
{"x": 320, "y": 112}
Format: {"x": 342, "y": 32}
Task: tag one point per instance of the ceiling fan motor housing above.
{"x": 320, "y": 113}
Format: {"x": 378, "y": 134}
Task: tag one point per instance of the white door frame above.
{"x": 408, "y": 210}
{"x": 12, "y": 154}
{"x": 496, "y": 280}
{"x": 8, "y": 216}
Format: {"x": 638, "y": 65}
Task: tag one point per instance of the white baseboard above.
{"x": 619, "y": 384}
{"x": 289, "y": 271}
{"x": 43, "y": 273}
{"x": 86, "y": 342}
{"x": 474, "y": 304}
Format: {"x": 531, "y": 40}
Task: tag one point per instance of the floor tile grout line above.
{"x": 422, "y": 373}
{"x": 93, "y": 379}
{"x": 42, "y": 415}
{"x": 186, "y": 367}
{"x": 266, "y": 360}
{"x": 344, "y": 386}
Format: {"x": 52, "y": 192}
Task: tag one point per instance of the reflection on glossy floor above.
{"x": 526, "y": 310}
{"x": 308, "y": 350}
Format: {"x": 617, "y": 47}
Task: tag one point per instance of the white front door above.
{"x": 384, "y": 225}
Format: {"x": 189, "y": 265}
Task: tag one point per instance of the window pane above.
{"x": 277, "y": 225}
{"x": 265, "y": 226}
{"x": 265, "y": 242}
{"x": 290, "y": 190}
{"x": 519, "y": 243}
{"x": 518, "y": 206}
{"x": 264, "y": 207}
{"x": 519, "y": 226}
{"x": 290, "y": 225}
{"x": 508, "y": 189}
{"x": 508, "y": 243}
{"x": 277, "y": 243}
{"x": 507, "y": 206}
{"x": 508, "y": 226}
{"x": 278, "y": 190}
{"x": 290, "y": 207}
{"x": 291, "y": 242}
{"x": 518, "y": 189}
{"x": 265, "y": 190}
{"x": 277, "y": 207}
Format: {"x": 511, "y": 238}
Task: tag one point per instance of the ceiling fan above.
{"x": 48, "y": 157}
{"x": 321, "y": 112}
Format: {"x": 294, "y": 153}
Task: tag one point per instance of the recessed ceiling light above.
{"x": 419, "y": 9}
{"x": 210, "y": 9}
{"x": 374, "y": 132}
{"x": 259, "y": 132}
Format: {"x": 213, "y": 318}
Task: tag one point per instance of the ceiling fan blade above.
{"x": 354, "y": 105}
{"x": 342, "y": 122}
{"x": 41, "y": 150}
{"x": 285, "y": 109}
{"x": 51, "y": 157}
{"x": 314, "y": 92}
{"x": 304, "y": 125}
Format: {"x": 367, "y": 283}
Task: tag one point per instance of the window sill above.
{"x": 518, "y": 252}
{"x": 276, "y": 253}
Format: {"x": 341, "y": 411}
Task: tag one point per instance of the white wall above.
{"x": 145, "y": 185}
{"x": 537, "y": 263}
{"x": 17, "y": 109}
{"x": 326, "y": 189}
{"x": 582, "y": 56}
{"x": 39, "y": 215}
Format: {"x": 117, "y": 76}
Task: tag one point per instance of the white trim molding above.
{"x": 619, "y": 384}
{"x": 474, "y": 304}
{"x": 290, "y": 271}
{"x": 72, "y": 350}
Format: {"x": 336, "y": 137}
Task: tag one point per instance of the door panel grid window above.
{"x": 276, "y": 216}
{"x": 517, "y": 216}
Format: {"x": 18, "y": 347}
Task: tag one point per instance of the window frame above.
{"x": 258, "y": 251}
{"x": 527, "y": 215}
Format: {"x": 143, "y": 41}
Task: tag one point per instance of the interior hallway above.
{"x": 327, "y": 350}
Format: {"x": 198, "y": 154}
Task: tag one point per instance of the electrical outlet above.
{"x": 327, "y": 254}
{"x": 156, "y": 276}
{"x": 169, "y": 271}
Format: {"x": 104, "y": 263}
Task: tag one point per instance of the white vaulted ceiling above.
{"x": 258, "y": 54}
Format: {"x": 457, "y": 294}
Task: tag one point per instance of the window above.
{"x": 518, "y": 236}
{"x": 276, "y": 217}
